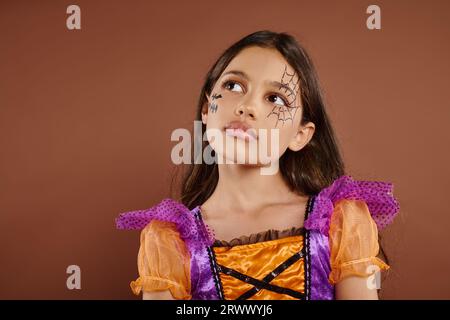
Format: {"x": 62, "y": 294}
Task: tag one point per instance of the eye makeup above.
{"x": 285, "y": 113}
{"x": 287, "y": 88}
{"x": 283, "y": 97}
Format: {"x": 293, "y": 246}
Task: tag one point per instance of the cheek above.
{"x": 229, "y": 99}
{"x": 283, "y": 117}
{"x": 225, "y": 104}
{"x": 286, "y": 132}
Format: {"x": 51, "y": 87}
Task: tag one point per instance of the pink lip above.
{"x": 241, "y": 130}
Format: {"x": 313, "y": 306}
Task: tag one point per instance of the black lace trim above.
{"x": 307, "y": 250}
{"x": 215, "y": 268}
{"x": 212, "y": 264}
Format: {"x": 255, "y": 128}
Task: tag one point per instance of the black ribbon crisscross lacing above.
{"x": 265, "y": 282}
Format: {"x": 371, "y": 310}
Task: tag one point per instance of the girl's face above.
{"x": 258, "y": 92}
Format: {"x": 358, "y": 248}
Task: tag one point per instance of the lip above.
{"x": 241, "y": 130}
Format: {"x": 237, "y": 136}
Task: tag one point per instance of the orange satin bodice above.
{"x": 258, "y": 260}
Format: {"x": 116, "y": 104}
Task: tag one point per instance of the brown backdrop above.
{"x": 86, "y": 117}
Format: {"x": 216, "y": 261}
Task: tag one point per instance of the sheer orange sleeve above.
{"x": 163, "y": 261}
{"x": 353, "y": 239}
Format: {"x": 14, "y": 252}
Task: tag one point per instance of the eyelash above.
{"x": 224, "y": 85}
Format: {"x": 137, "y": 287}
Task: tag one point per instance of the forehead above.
{"x": 261, "y": 64}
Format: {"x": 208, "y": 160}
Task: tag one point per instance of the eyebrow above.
{"x": 272, "y": 83}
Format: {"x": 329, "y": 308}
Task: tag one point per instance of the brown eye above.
{"x": 233, "y": 86}
{"x": 275, "y": 98}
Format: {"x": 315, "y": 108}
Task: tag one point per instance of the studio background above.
{"x": 86, "y": 117}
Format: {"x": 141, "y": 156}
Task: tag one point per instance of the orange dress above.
{"x": 163, "y": 261}
{"x": 339, "y": 239}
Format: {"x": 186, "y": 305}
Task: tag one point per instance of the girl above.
{"x": 308, "y": 231}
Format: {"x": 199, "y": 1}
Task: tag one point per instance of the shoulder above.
{"x": 167, "y": 210}
{"x": 371, "y": 201}
{"x": 172, "y": 215}
{"x": 157, "y": 229}
{"x": 356, "y": 208}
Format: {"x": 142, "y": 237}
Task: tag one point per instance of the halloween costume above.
{"x": 339, "y": 238}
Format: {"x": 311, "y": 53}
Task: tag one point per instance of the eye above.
{"x": 231, "y": 85}
{"x": 280, "y": 100}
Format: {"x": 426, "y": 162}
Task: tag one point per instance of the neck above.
{"x": 244, "y": 189}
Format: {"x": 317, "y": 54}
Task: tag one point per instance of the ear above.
{"x": 302, "y": 137}
{"x": 205, "y": 109}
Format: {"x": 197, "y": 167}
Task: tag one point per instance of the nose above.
{"x": 245, "y": 110}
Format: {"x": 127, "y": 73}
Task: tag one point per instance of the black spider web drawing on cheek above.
{"x": 213, "y": 105}
{"x": 285, "y": 113}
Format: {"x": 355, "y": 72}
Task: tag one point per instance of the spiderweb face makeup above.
{"x": 290, "y": 87}
{"x": 260, "y": 91}
{"x": 213, "y": 106}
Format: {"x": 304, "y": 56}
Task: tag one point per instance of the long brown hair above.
{"x": 307, "y": 171}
